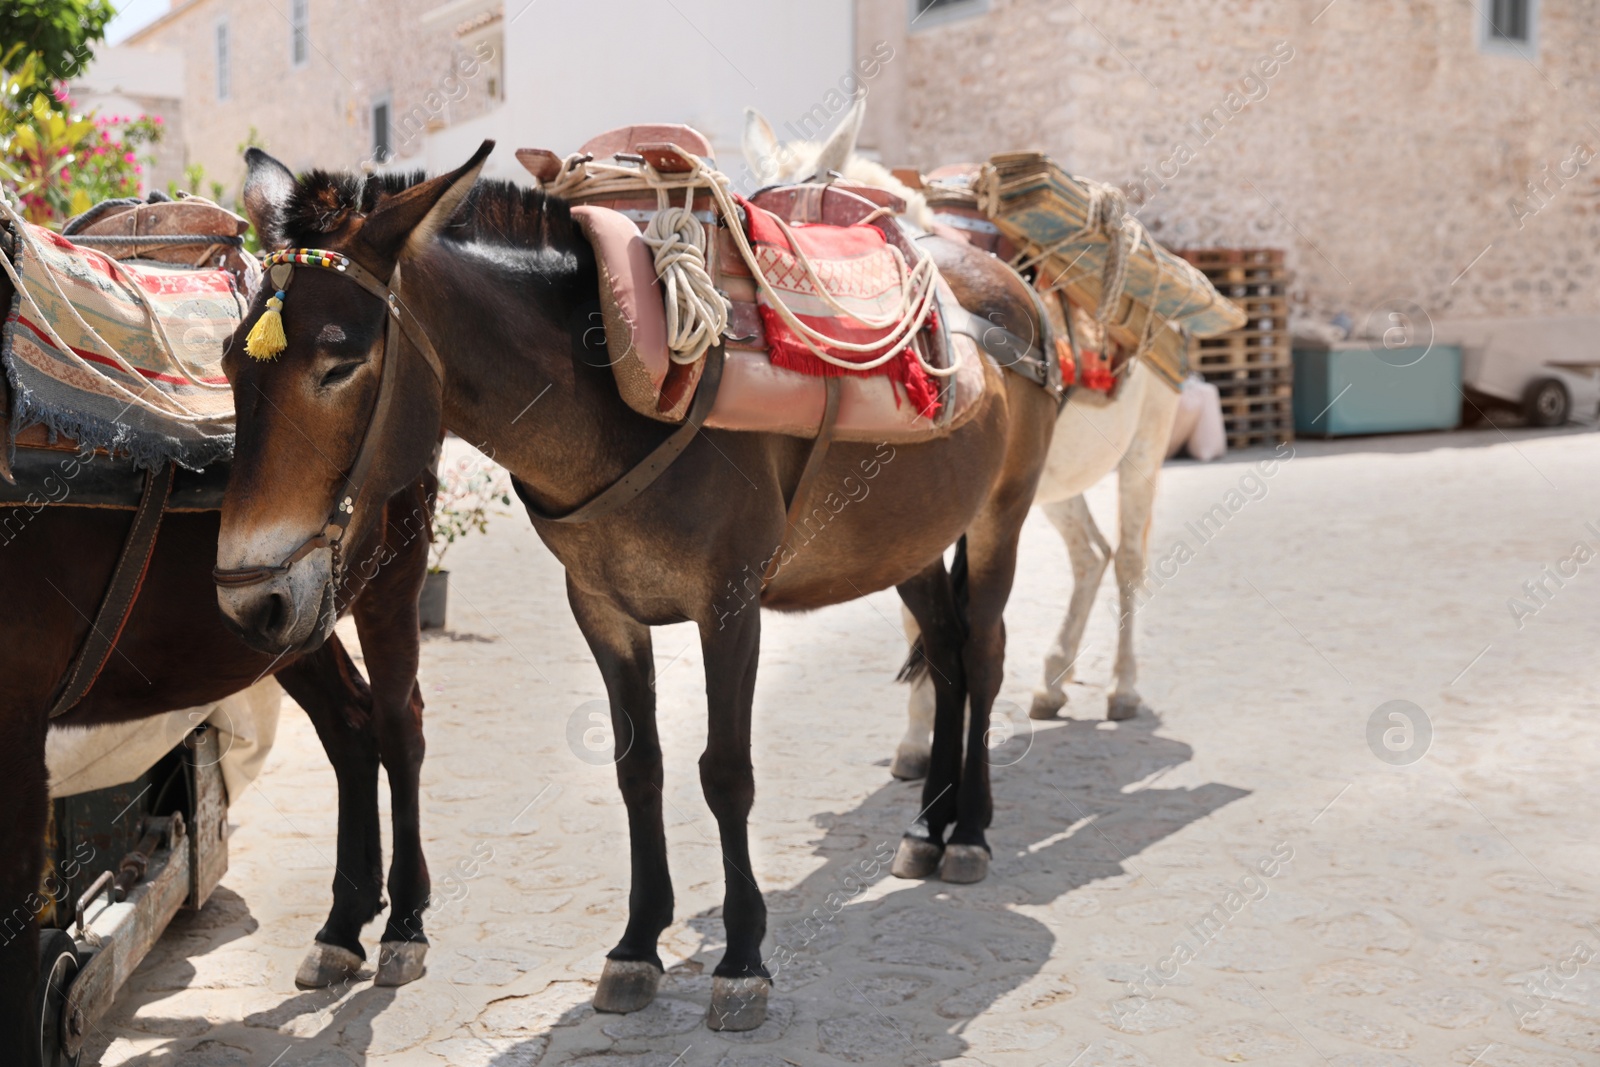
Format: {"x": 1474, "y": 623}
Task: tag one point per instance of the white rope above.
{"x": 581, "y": 176}
{"x": 165, "y": 405}
{"x": 697, "y": 314}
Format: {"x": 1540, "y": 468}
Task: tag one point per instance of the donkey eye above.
{"x": 339, "y": 373}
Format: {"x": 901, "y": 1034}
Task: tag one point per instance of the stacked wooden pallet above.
{"x": 1251, "y": 366}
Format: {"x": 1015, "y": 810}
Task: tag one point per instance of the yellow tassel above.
{"x": 266, "y": 338}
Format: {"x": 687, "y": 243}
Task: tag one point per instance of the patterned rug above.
{"x": 123, "y": 356}
{"x": 858, "y": 269}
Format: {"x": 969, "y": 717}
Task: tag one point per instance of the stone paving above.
{"x": 1266, "y": 868}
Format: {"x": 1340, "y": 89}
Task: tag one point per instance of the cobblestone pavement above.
{"x": 1252, "y": 872}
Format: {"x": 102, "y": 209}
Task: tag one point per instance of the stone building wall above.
{"x": 1374, "y": 140}
{"x": 319, "y": 113}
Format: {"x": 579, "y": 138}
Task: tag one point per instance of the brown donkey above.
{"x": 487, "y": 337}
{"x": 176, "y": 652}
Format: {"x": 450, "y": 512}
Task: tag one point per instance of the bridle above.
{"x": 280, "y": 266}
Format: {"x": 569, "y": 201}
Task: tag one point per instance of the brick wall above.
{"x": 319, "y": 113}
{"x": 1385, "y": 152}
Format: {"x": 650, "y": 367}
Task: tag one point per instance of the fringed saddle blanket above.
{"x": 856, "y": 267}
{"x": 121, "y": 356}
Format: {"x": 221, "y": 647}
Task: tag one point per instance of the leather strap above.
{"x": 643, "y": 475}
{"x": 121, "y": 594}
{"x": 1005, "y": 347}
{"x": 808, "y": 478}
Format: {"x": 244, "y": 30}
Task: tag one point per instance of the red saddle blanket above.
{"x": 866, "y": 280}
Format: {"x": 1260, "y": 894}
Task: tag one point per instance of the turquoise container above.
{"x": 1361, "y": 387}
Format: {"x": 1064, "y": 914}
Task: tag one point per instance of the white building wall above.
{"x": 575, "y": 70}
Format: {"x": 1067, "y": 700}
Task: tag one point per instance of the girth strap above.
{"x": 808, "y": 478}
{"x": 120, "y": 595}
{"x": 1006, "y": 348}
{"x": 643, "y": 475}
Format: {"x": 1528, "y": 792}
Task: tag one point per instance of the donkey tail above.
{"x": 915, "y": 667}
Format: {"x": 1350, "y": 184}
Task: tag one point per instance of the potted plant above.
{"x": 468, "y": 491}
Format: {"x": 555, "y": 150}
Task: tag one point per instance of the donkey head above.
{"x": 303, "y": 414}
{"x": 777, "y": 163}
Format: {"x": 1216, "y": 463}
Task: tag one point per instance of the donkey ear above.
{"x": 268, "y": 186}
{"x": 406, "y": 222}
{"x": 760, "y": 146}
{"x": 836, "y": 153}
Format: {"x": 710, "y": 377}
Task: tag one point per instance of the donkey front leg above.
{"x": 389, "y": 632}
{"x": 741, "y": 982}
{"x": 622, "y": 650}
{"x": 1137, "y": 477}
{"x": 915, "y": 749}
{"x": 327, "y": 685}
{"x": 1090, "y": 554}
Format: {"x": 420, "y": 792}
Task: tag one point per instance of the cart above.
{"x": 121, "y": 862}
{"x": 1546, "y": 368}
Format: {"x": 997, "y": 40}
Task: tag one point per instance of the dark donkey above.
{"x": 176, "y": 652}
{"x": 496, "y": 279}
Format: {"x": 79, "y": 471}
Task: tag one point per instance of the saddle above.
{"x": 1090, "y": 358}
{"x": 74, "y": 312}
{"x": 765, "y": 384}
{"x": 192, "y": 232}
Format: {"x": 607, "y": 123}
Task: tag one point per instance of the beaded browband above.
{"x": 267, "y": 339}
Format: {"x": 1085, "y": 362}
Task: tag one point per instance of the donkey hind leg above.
{"x": 24, "y": 797}
{"x": 1090, "y": 555}
{"x": 1137, "y": 478}
{"x": 912, "y": 754}
{"x": 987, "y": 564}
{"x": 741, "y": 982}
{"x": 327, "y": 685}
{"x": 622, "y": 650}
{"x": 930, "y": 599}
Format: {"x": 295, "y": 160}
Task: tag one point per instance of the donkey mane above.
{"x": 496, "y": 212}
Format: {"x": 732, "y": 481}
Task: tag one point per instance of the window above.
{"x": 1509, "y": 26}
{"x": 1508, "y": 20}
{"x": 224, "y": 62}
{"x": 299, "y": 32}
{"x": 925, "y": 13}
{"x": 382, "y": 147}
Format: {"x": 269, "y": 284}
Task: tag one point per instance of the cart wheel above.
{"x": 1546, "y": 402}
{"x": 58, "y": 966}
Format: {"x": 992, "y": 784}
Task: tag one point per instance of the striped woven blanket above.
{"x": 122, "y": 356}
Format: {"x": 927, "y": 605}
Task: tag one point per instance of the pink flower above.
{"x": 128, "y": 157}
{"x": 159, "y": 120}
{"x": 138, "y": 168}
{"x": 66, "y": 175}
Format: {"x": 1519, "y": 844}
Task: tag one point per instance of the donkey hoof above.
{"x": 738, "y": 1003}
{"x": 1122, "y": 706}
{"x": 964, "y": 864}
{"x": 915, "y": 858}
{"x": 626, "y": 985}
{"x": 1047, "y": 705}
{"x": 909, "y": 763}
{"x": 326, "y": 965}
{"x": 400, "y": 962}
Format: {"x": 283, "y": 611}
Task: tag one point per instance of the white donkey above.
{"x": 1094, "y": 436}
